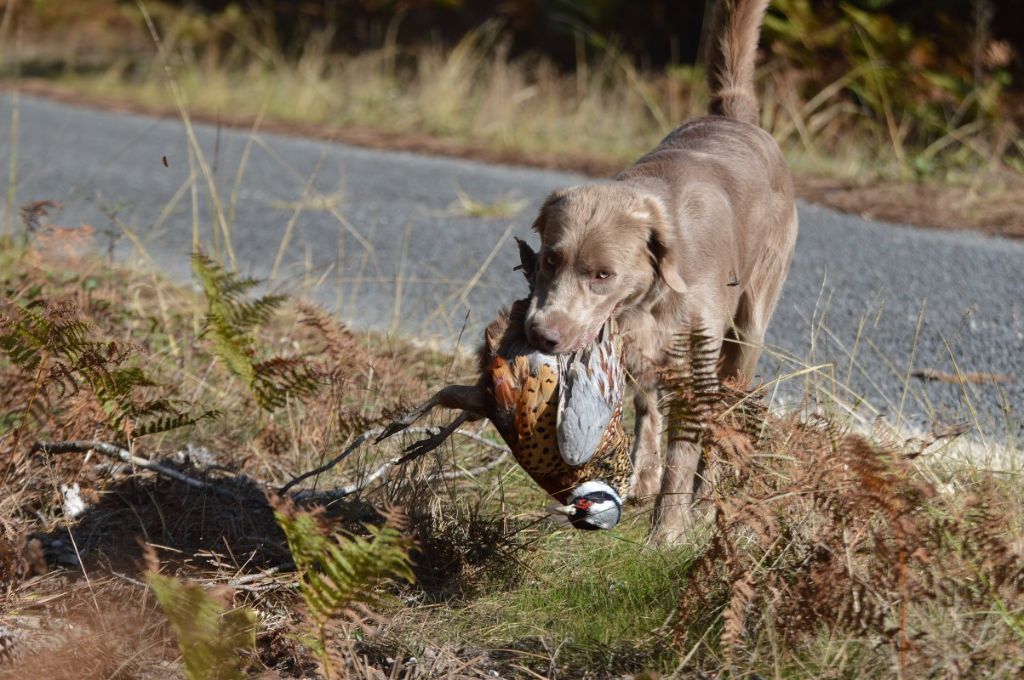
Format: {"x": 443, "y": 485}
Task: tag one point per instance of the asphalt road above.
{"x": 381, "y": 238}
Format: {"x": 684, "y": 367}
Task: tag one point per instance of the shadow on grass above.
{"x": 194, "y": 529}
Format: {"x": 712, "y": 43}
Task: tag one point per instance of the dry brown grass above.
{"x": 225, "y": 539}
{"x": 828, "y": 543}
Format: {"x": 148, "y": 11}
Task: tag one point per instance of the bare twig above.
{"x": 112, "y": 451}
{"x": 361, "y": 439}
{"x": 381, "y": 470}
{"x": 250, "y": 578}
{"x": 378, "y": 472}
{"x": 333, "y": 462}
{"x": 348, "y": 489}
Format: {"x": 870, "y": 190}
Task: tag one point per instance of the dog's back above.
{"x": 722, "y": 175}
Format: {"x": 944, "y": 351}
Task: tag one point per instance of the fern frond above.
{"x": 338, "y": 343}
{"x": 210, "y": 635}
{"x": 234, "y": 348}
{"x": 173, "y": 421}
{"x": 691, "y": 384}
{"x": 61, "y": 356}
{"x": 342, "y": 572}
{"x": 249, "y": 314}
{"x": 230, "y": 325}
{"x": 280, "y": 378}
{"x": 218, "y": 282}
{"x": 45, "y": 329}
{"x": 226, "y": 296}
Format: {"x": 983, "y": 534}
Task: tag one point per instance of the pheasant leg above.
{"x": 425, "y": 446}
{"x": 462, "y": 397}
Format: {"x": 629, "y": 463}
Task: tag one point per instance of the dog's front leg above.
{"x": 647, "y": 464}
{"x": 674, "y": 507}
{"x": 683, "y": 476}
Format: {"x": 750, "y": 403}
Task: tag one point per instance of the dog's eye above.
{"x": 602, "y": 275}
{"x": 551, "y": 260}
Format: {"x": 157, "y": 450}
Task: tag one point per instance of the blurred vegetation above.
{"x": 656, "y": 31}
{"x": 949, "y": 36}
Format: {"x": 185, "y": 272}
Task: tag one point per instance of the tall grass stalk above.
{"x": 200, "y": 158}
{"x": 11, "y": 198}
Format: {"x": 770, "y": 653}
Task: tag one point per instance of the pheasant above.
{"x": 561, "y": 416}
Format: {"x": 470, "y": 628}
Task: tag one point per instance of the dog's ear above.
{"x": 663, "y": 244}
{"x": 551, "y": 203}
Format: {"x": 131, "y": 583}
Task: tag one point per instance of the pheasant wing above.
{"x": 589, "y": 390}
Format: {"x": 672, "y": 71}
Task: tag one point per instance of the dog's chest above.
{"x": 644, "y": 345}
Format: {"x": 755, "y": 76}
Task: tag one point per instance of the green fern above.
{"x": 59, "y": 355}
{"x": 341, "y": 572}
{"x": 45, "y": 329}
{"x": 210, "y": 636}
{"x": 231, "y": 323}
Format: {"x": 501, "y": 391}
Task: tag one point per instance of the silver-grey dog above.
{"x": 703, "y": 227}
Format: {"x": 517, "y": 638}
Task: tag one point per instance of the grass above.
{"x": 612, "y": 591}
{"x": 502, "y": 208}
{"x": 462, "y": 569}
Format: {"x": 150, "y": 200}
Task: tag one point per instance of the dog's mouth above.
{"x": 582, "y": 338}
{"x": 591, "y": 335}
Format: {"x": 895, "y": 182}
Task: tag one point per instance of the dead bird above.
{"x": 561, "y": 416}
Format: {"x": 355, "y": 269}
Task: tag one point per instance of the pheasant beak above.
{"x": 567, "y": 510}
{"x": 580, "y": 505}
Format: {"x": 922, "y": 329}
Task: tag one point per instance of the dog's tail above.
{"x": 735, "y": 27}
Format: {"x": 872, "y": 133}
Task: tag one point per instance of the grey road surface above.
{"x": 383, "y": 238}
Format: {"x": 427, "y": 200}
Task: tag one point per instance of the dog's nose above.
{"x": 544, "y": 339}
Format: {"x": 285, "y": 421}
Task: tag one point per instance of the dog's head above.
{"x": 603, "y": 248}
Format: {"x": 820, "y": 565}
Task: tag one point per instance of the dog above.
{"x": 702, "y": 227}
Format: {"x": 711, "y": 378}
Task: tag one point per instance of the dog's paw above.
{"x": 646, "y": 484}
{"x": 671, "y": 522}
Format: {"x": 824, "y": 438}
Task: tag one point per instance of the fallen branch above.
{"x": 331, "y": 463}
{"x": 380, "y": 470}
{"x": 347, "y": 490}
{"x": 112, "y": 451}
{"x": 125, "y": 456}
{"x": 359, "y": 441}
